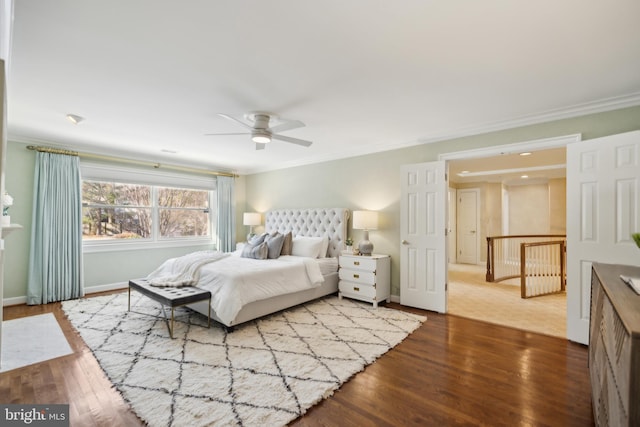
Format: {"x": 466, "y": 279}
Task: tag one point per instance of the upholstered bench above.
{"x": 171, "y": 297}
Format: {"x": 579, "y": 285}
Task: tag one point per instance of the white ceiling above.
{"x": 363, "y": 75}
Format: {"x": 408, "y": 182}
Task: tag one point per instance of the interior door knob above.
{"x": 404, "y": 242}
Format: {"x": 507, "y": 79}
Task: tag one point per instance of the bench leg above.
{"x": 129, "y": 300}
{"x": 171, "y": 328}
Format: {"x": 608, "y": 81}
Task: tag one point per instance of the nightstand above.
{"x": 366, "y": 278}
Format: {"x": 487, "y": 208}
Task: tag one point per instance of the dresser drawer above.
{"x": 357, "y": 276}
{"x": 361, "y": 290}
{"x": 358, "y": 263}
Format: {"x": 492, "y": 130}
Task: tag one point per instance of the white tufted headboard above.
{"x": 311, "y": 222}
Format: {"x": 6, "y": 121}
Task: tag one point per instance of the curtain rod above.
{"x": 123, "y": 160}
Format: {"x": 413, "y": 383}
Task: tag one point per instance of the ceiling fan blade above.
{"x": 233, "y": 119}
{"x": 297, "y": 141}
{"x": 291, "y": 124}
{"x": 260, "y": 146}
{"x": 217, "y": 134}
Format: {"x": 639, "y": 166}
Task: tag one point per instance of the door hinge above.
{"x": 446, "y": 286}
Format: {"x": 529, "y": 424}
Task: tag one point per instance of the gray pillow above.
{"x": 259, "y": 251}
{"x": 287, "y": 244}
{"x": 274, "y": 243}
{"x": 256, "y": 240}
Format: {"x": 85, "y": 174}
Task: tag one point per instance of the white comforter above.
{"x": 235, "y": 281}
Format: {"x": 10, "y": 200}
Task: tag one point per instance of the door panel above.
{"x": 423, "y": 259}
{"x": 603, "y": 180}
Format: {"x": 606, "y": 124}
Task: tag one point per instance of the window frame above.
{"x": 154, "y": 179}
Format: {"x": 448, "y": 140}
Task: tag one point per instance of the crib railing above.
{"x": 542, "y": 268}
{"x": 504, "y": 254}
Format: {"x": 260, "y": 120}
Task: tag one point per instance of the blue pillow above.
{"x": 274, "y": 243}
{"x": 259, "y": 251}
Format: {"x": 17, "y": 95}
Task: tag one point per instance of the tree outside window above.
{"x": 127, "y": 211}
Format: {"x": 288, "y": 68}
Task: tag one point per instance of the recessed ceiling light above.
{"x": 525, "y": 153}
{"x": 524, "y": 176}
{"x": 75, "y": 119}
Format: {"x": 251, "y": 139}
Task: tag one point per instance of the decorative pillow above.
{"x": 306, "y": 246}
{"x": 287, "y": 244}
{"x": 274, "y": 244}
{"x": 260, "y": 251}
{"x": 256, "y": 240}
{"x": 325, "y": 247}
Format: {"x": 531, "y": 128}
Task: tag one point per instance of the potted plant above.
{"x": 349, "y": 243}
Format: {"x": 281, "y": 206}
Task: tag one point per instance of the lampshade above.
{"x": 365, "y": 220}
{"x": 251, "y": 218}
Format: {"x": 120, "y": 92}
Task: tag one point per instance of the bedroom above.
{"x": 361, "y": 181}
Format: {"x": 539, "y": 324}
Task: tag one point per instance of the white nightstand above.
{"x": 366, "y": 278}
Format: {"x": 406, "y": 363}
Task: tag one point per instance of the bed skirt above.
{"x": 271, "y": 305}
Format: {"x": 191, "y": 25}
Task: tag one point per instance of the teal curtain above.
{"x": 226, "y": 225}
{"x": 55, "y": 258}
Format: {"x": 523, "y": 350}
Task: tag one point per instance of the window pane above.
{"x": 182, "y": 198}
{"x": 184, "y": 222}
{"x": 107, "y": 193}
{"x": 132, "y": 195}
{"x": 97, "y": 193}
{"x": 116, "y": 223}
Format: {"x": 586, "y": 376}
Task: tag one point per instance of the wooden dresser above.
{"x": 614, "y": 346}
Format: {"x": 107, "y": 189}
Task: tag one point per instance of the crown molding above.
{"x": 583, "y": 109}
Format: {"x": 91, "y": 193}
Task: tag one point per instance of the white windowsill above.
{"x": 95, "y": 247}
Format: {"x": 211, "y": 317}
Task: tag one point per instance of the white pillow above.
{"x": 307, "y": 246}
{"x": 325, "y": 247}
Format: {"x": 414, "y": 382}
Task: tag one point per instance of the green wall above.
{"x": 101, "y": 269}
{"x": 373, "y": 181}
{"x": 364, "y": 182}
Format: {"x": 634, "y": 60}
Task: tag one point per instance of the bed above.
{"x": 328, "y": 223}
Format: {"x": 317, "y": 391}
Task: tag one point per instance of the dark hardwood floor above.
{"x": 452, "y": 371}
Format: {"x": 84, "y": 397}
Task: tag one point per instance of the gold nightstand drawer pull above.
{"x": 356, "y": 262}
{"x": 356, "y": 289}
{"x": 356, "y": 276}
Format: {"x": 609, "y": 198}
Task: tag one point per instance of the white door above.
{"x": 452, "y": 226}
{"x": 468, "y": 227}
{"x": 603, "y": 209}
{"x": 423, "y": 248}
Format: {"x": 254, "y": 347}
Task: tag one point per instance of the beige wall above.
{"x": 558, "y": 206}
{"x": 528, "y": 209}
{"x": 373, "y": 181}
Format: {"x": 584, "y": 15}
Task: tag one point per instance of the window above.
{"x": 116, "y": 211}
{"x": 183, "y": 212}
{"x": 127, "y": 210}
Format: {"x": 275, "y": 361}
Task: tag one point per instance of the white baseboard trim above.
{"x": 108, "y": 287}
{"x": 395, "y": 298}
{"x": 90, "y": 290}
{"x": 14, "y": 301}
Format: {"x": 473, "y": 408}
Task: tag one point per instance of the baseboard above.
{"x": 395, "y": 298}
{"x": 90, "y": 290}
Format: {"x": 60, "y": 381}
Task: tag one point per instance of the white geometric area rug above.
{"x": 265, "y": 373}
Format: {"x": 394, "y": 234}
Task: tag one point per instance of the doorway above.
{"x": 468, "y": 224}
{"x": 469, "y": 295}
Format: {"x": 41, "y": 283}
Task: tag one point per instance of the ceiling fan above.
{"x": 260, "y": 131}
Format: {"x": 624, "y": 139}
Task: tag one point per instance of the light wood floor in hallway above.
{"x": 500, "y": 303}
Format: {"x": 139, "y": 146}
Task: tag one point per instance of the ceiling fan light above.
{"x": 261, "y": 138}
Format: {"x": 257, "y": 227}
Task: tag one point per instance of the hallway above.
{"x": 500, "y": 303}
